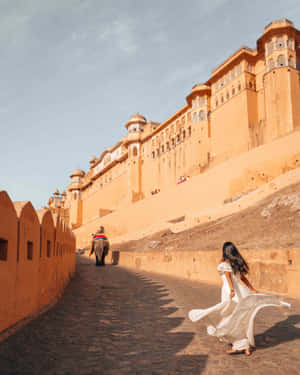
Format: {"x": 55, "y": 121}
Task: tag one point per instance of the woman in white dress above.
{"x": 232, "y": 320}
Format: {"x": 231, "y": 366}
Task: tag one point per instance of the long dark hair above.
{"x": 237, "y": 262}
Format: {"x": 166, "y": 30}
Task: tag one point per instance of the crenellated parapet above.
{"x": 37, "y": 259}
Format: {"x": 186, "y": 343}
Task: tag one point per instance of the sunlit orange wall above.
{"x": 32, "y": 272}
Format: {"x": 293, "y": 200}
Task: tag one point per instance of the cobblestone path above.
{"x": 115, "y": 321}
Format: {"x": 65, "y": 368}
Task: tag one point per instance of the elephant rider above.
{"x": 99, "y": 246}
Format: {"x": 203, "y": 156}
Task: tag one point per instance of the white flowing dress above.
{"x": 232, "y": 320}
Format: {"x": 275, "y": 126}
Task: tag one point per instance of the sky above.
{"x": 72, "y": 72}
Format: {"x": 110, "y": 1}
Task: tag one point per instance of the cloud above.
{"x": 121, "y": 32}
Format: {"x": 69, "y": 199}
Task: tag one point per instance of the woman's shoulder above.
{"x": 224, "y": 267}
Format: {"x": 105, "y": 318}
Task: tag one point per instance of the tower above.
{"x": 279, "y": 79}
{"x": 135, "y": 127}
{"x": 75, "y": 198}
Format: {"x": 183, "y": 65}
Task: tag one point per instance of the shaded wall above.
{"x": 272, "y": 271}
{"x": 34, "y": 267}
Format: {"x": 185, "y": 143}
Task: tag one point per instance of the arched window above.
{"x": 189, "y": 131}
{"x": 202, "y": 115}
{"x": 291, "y": 62}
{"x": 250, "y": 85}
{"x": 239, "y": 68}
{"x": 183, "y": 135}
{"x": 280, "y": 43}
{"x": 222, "y": 99}
{"x": 281, "y": 61}
{"x": 153, "y": 154}
{"x": 233, "y": 91}
{"x": 271, "y": 64}
{"x": 239, "y": 87}
{"x": 194, "y": 117}
{"x": 134, "y": 151}
{"x": 217, "y": 103}
{"x": 291, "y": 44}
{"x": 227, "y": 95}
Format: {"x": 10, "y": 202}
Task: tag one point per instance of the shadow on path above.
{"x": 281, "y": 332}
{"x": 110, "y": 321}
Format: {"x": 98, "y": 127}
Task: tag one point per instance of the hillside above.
{"x": 272, "y": 223}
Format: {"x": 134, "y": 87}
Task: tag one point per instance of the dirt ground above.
{"x": 272, "y": 223}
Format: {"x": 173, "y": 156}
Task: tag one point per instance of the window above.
{"x": 153, "y": 155}
{"x": 48, "y": 249}
{"x": 135, "y": 151}
{"x": 239, "y": 87}
{"x": 194, "y": 117}
{"x": 29, "y": 250}
{"x": 250, "y": 85}
{"x": 178, "y": 138}
{"x": 162, "y": 149}
{"x": 167, "y": 146}
{"x": 291, "y": 44}
{"x": 202, "y": 116}
{"x": 227, "y": 95}
{"x": 3, "y": 249}
{"x": 239, "y": 68}
{"x": 157, "y": 152}
{"x": 183, "y": 135}
{"x": 233, "y": 91}
{"x": 271, "y": 64}
{"x": 222, "y": 99}
{"x": 217, "y": 103}
{"x": 281, "y": 61}
{"x": 270, "y": 47}
{"x": 208, "y": 115}
{"x": 189, "y": 131}
{"x": 291, "y": 62}
{"x": 280, "y": 43}
{"x": 172, "y": 142}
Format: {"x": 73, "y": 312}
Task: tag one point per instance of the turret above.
{"x": 135, "y": 127}
{"x": 76, "y": 201}
{"x": 279, "y": 44}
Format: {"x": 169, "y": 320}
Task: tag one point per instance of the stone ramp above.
{"x": 113, "y": 320}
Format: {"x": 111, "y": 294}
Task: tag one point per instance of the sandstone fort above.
{"x": 249, "y": 102}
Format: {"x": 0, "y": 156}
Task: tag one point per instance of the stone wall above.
{"x": 37, "y": 259}
{"x": 208, "y": 190}
{"x": 271, "y": 271}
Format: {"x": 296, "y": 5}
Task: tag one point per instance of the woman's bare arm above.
{"x": 228, "y": 277}
{"x": 247, "y": 283}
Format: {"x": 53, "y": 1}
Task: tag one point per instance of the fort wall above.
{"x": 202, "y": 266}
{"x": 210, "y": 189}
{"x": 248, "y": 102}
{"x": 37, "y": 259}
